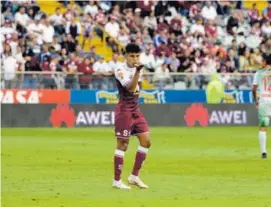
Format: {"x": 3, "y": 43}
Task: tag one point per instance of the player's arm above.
{"x": 124, "y": 79}
{"x": 255, "y": 88}
{"x": 132, "y": 85}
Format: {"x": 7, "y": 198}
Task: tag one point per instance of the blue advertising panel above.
{"x": 158, "y": 96}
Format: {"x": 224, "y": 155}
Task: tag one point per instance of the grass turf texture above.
{"x": 185, "y": 167}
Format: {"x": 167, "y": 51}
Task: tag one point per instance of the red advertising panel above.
{"x": 29, "y": 96}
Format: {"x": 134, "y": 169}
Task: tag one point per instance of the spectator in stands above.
{"x": 48, "y": 32}
{"x": 91, "y": 8}
{"x": 211, "y": 31}
{"x": 223, "y": 7}
{"x": 58, "y": 22}
{"x": 114, "y": 63}
{"x": 267, "y": 12}
{"x": 100, "y": 17}
{"x": 148, "y": 60}
{"x": 266, "y": 29}
{"x": 151, "y": 23}
{"x": 253, "y": 41}
{"x": 231, "y": 58}
{"x": 8, "y": 14}
{"x": 161, "y": 75}
{"x": 174, "y": 63}
{"x": 145, "y": 7}
{"x": 86, "y": 68}
{"x": 73, "y": 28}
{"x": 233, "y": 23}
{"x": 69, "y": 43}
{"x": 55, "y": 44}
{"x": 244, "y": 61}
{"x": 70, "y": 68}
{"x": 123, "y": 37}
{"x": 21, "y": 19}
{"x": 112, "y": 27}
{"x": 101, "y": 69}
{"x": 49, "y": 65}
{"x": 185, "y": 61}
{"x": 209, "y": 11}
{"x": 254, "y": 13}
{"x": 93, "y": 53}
{"x": 31, "y": 65}
{"x": 195, "y": 10}
{"x": 10, "y": 66}
{"x": 256, "y": 59}
{"x": 176, "y": 25}
{"x": 198, "y": 27}
{"x": 234, "y": 45}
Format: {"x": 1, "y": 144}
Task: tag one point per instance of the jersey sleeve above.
{"x": 122, "y": 76}
{"x": 255, "y": 79}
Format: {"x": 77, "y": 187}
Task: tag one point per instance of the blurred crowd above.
{"x": 175, "y": 36}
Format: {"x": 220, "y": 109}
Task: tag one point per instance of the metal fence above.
{"x": 59, "y": 80}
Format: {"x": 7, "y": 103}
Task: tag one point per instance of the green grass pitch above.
{"x": 189, "y": 167}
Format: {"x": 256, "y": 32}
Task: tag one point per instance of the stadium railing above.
{"x": 182, "y": 81}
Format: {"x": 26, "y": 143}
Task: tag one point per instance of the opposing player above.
{"x": 262, "y": 81}
{"x": 129, "y": 120}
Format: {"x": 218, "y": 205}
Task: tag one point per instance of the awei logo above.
{"x": 63, "y": 114}
{"x": 198, "y": 113}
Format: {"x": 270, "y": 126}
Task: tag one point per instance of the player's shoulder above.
{"x": 263, "y": 71}
{"x": 120, "y": 70}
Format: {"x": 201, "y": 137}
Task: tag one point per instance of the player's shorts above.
{"x": 264, "y": 113}
{"x": 129, "y": 124}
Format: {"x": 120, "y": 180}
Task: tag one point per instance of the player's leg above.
{"x": 122, "y": 132}
{"x": 263, "y": 124}
{"x": 122, "y": 145}
{"x": 143, "y": 135}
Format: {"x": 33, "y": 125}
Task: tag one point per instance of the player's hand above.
{"x": 139, "y": 67}
{"x": 257, "y": 104}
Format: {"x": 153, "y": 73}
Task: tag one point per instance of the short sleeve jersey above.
{"x": 124, "y": 75}
{"x": 262, "y": 79}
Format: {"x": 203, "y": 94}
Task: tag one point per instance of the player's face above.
{"x": 132, "y": 59}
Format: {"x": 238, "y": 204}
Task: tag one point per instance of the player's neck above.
{"x": 129, "y": 65}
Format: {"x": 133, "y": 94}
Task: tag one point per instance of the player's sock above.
{"x": 262, "y": 140}
{"x": 118, "y": 163}
{"x": 140, "y": 157}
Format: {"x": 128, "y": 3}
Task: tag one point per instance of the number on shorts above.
{"x": 267, "y": 84}
{"x": 125, "y": 132}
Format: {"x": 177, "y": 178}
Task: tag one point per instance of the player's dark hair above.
{"x": 132, "y": 48}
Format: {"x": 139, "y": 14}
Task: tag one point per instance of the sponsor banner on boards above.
{"x": 80, "y": 115}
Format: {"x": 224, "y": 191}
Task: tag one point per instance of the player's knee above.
{"x": 146, "y": 144}
{"x": 263, "y": 129}
{"x": 123, "y": 145}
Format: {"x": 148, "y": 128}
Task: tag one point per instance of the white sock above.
{"x": 143, "y": 149}
{"x": 262, "y": 141}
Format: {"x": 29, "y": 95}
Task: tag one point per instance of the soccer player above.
{"x": 128, "y": 118}
{"x": 262, "y": 81}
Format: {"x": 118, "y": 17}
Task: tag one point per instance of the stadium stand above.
{"x": 78, "y": 44}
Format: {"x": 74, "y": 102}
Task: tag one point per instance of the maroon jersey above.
{"x": 128, "y": 101}
{"x": 128, "y": 118}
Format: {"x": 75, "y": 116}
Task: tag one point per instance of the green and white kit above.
{"x": 262, "y": 79}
